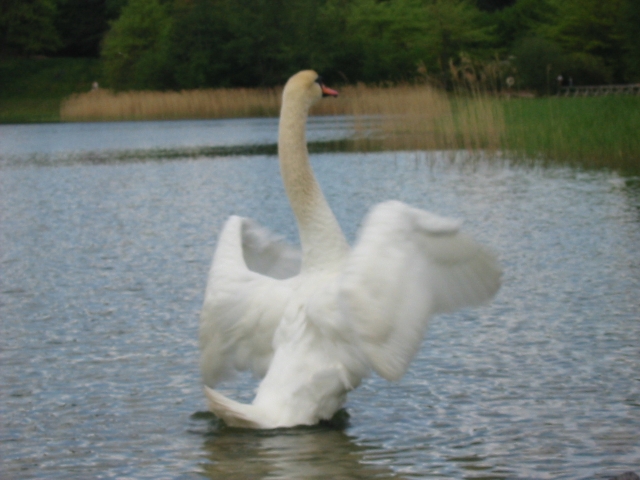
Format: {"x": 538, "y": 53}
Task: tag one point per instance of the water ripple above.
{"x": 103, "y": 271}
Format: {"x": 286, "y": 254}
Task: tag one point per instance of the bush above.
{"x": 585, "y": 69}
{"x": 538, "y": 63}
{"x": 135, "y": 50}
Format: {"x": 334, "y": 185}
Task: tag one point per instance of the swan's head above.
{"x": 307, "y": 88}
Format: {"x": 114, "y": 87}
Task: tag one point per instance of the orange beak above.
{"x": 328, "y": 92}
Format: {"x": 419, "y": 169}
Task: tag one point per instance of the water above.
{"x": 103, "y": 271}
{"x": 69, "y": 143}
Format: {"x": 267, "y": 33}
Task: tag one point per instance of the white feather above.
{"x": 407, "y": 266}
{"x": 244, "y": 300}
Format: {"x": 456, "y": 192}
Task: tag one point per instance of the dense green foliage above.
{"x": 28, "y": 27}
{"x": 134, "y": 49}
{"x": 177, "y": 44}
{"x": 31, "y": 90}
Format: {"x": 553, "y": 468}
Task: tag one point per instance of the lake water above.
{"x": 106, "y": 236}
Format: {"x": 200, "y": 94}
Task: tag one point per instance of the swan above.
{"x": 312, "y": 323}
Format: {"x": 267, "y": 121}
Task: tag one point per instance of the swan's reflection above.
{"x": 295, "y": 453}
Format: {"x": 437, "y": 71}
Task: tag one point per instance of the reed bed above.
{"x": 106, "y": 105}
{"x": 410, "y": 116}
{"x": 240, "y": 102}
{"x": 413, "y": 116}
{"x": 592, "y": 132}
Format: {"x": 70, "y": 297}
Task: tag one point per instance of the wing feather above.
{"x": 408, "y": 265}
{"x": 245, "y": 298}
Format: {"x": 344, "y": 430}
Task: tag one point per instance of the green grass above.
{"x": 31, "y": 89}
{"x": 586, "y": 131}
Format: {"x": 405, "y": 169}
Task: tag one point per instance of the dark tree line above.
{"x": 177, "y": 44}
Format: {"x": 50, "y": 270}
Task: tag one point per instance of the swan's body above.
{"x": 314, "y": 323}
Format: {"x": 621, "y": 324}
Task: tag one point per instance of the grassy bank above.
{"x": 591, "y": 131}
{"x": 32, "y": 89}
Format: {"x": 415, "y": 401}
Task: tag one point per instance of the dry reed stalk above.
{"x": 479, "y": 123}
{"x": 413, "y": 116}
{"x": 142, "y": 105}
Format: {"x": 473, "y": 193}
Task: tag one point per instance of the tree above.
{"x": 81, "y": 25}
{"x": 135, "y": 50}
{"x": 394, "y": 40}
{"x": 538, "y": 62}
{"x": 271, "y": 39}
{"x": 456, "y": 29}
{"x": 385, "y": 39}
{"x": 27, "y": 27}
{"x": 519, "y": 21}
{"x": 629, "y": 28}
{"x": 493, "y": 5}
{"x": 588, "y": 31}
{"x": 245, "y": 42}
{"x": 198, "y": 33}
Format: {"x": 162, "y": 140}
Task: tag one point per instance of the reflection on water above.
{"x": 110, "y": 142}
{"x": 288, "y": 454}
{"x": 102, "y": 272}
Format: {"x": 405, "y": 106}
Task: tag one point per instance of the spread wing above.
{"x": 407, "y": 266}
{"x": 246, "y": 294}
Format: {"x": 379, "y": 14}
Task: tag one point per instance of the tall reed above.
{"x": 413, "y": 116}
{"x": 144, "y": 105}
{"x": 586, "y": 131}
{"x": 241, "y": 102}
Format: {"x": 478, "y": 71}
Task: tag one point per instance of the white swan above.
{"x": 314, "y": 324}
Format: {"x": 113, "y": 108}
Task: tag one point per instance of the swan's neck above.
{"x": 323, "y": 243}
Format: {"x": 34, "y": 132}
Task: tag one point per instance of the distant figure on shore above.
{"x": 94, "y": 86}
{"x": 510, "y": 81}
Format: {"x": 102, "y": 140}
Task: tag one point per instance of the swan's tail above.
{"x": 233, "y": 413}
